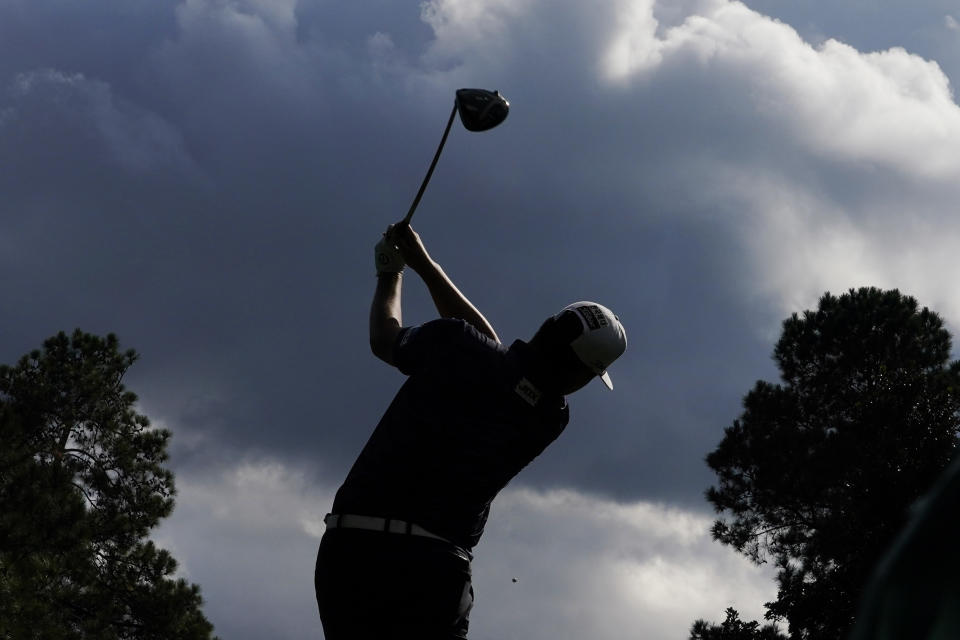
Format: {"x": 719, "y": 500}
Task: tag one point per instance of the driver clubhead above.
{"x": 480, "y": 109}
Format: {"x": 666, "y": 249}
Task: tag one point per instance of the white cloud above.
{"x": 589, "y": 567}
{"x": 584, "y": 566}
{"x": 890, "y": 107}
{"x": 634, "y": 46}
{"x": 803, "y": 243}
{"x": 841, "y": 165}
{"x": 248, "y": 535}
{"x": 834, "y": 168}
{"x": 478, "y": 26}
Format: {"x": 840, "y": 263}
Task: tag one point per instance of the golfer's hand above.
{"x": 411, "y": 247}
{"x": 386, "y": 255}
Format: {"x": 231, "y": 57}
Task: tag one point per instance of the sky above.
{"x": 207, "y": 179}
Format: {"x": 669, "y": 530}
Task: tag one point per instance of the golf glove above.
{"x": 387, "y": 257}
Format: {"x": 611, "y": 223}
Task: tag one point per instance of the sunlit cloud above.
{"x": 889, "y": 107}
{"x": 589, "y": 567}
{"x": 248, "y": 534}
{"x": 583, "y": 566}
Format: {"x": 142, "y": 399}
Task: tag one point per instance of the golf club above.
{"x": 479, "y": 110}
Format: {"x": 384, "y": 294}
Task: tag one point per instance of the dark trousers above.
{"x": 387, "y": 585}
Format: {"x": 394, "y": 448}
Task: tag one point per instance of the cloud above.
{"x": 59, "y": 115}
{"x": 634, "y": 46}
{"x": 888, "y": 107}
{"x": 698, "y": 166}
{"x": 838, "y": 165}
{"x": 809, "y": 242}
{"x": 238, "y": 68}
{"x": 584, "y": 566}
{"x": 248, "y": 535}
{"x": 483, "y": 28}
{"x": 590, "y": 567}
{"x": 826, "y": 167}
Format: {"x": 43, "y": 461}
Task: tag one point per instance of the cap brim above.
{"x": 606, "y": 380}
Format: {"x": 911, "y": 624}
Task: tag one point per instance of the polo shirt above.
{"x": 468, "y": 418}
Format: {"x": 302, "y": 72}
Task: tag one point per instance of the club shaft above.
{"x": 436, "y": 156}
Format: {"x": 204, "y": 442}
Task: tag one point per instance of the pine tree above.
{"x": 82, "y": 483}
{"x": 819, "y": 472}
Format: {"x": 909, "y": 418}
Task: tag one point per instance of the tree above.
{"x": 81, "y": 485}
{"x": 733, "y": 628}
{"x": 819, "y": 472}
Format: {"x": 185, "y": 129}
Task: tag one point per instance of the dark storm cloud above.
{"x": 209, "y": 185}
{"x": 206, "y": 178}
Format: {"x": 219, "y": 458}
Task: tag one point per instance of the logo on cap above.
{"x": 593, "y": 316}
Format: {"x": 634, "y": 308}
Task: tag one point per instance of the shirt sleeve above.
{"x": 435, "y": 346}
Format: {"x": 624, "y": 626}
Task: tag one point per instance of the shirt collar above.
{"x": 529, "y": 376}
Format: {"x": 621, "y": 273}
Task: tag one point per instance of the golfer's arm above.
{"x": 386, "y": 317}
{"x": 450, "y": 302}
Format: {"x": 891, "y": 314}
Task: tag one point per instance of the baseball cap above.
{"x": 602, "y": 339}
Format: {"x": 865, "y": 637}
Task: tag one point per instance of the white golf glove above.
{"x": 387, "y": 257}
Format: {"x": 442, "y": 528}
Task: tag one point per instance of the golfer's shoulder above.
{"x": 450, "y": 330}
{"x": 449, "y": 340}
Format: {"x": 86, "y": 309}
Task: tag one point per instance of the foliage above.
{"x": 733, "y": 628}
{"x": 81, "y": 485}
{"x": 819, "y": 472}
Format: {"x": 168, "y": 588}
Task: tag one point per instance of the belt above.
{"x": 372, "y": 523}
{"x": 387, "y": 525}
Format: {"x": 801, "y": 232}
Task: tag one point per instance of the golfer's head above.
{"x": 581, "y": 342}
